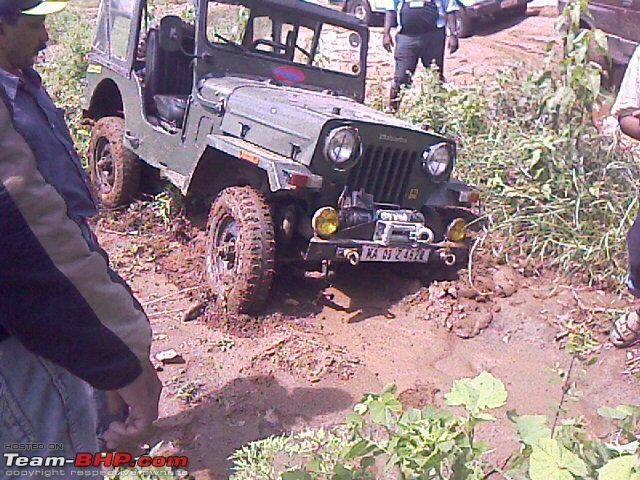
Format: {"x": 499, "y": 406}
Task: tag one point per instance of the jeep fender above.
{"x": 254, "y": 164}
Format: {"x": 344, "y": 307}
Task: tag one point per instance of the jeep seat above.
{"x": 171, "y": 108}
{"x": 167, "y": 74}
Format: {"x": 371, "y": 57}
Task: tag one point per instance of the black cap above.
{"x": 30, "y": 7}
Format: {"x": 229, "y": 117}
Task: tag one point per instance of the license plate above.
{"x": 394, "y": 254}
{"x": 509, "y": 3}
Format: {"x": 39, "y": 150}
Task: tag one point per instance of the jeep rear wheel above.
{"x": 115, "y": 170}
{"x": 240, "y": 251}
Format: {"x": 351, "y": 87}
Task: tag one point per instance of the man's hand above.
{"x": 387, "y": 42}
{"x": 453, "y": 43}
{"x": 142, "y": 397}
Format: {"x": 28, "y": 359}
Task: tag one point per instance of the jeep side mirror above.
{"x": 170, "y": 33}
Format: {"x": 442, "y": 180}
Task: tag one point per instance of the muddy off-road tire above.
{"x": 465, "y": 24}
{"x": 115, "y": 170}
{"x": 240, "y": 250}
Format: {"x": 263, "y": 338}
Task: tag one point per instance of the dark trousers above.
{"x": 428, "y": 47}
{"x": 633, "y": 247}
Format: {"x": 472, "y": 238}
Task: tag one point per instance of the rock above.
{"x": 194, "y": 311}
{"x": 169, "y": 356}
{"x": 506, "y": 281}
{"x": 468, "y": 293}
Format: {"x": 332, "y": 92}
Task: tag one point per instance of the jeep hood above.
{"x": 282, "y": 119}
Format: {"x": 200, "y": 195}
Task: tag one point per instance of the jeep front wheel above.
{"x": 240, "y": 251}
{"x": 115, "y": 170}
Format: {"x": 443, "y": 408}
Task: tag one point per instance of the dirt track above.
{"x": 320, "y": 346}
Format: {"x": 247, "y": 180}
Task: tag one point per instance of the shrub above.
{"x": 554, "y": 188}
{"x": 383, "y": 440}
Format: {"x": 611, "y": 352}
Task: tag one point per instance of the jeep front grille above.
{"x": 384, "y": 172}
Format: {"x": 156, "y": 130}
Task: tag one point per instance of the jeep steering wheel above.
{"x": 278, "y": 48}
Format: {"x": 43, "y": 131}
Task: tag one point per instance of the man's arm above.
{"x": 630, "y": 124}
{"x": 452, "y": 31}
{"x": 56, "y": 295}
{"x": 387, "y": 41}
{"x": 627, "y": 104}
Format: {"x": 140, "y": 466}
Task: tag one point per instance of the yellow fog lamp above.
{"x": 457, "y": 230}
{"x": 325, "y": 222}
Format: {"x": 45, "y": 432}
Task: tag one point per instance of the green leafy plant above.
{"x": 382, "y": 440}
{"x": 557, "y": 192}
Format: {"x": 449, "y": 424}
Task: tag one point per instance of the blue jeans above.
{"x": 45, "y": 407}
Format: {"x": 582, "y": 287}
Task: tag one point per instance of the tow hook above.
{"x": 327, "y": 271}
{"x": 353, "y": 256}
{"x": 448, "y": 258}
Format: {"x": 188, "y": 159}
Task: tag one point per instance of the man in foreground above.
{"x": 422, "y": 27}
{"x": 626, "y": 330}
{"x": 67, "y": 320}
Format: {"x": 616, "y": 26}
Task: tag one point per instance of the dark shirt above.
{"x": 43, "y": 126}
{"x": 417, "y": 20}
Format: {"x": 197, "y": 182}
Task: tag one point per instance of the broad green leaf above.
{"x": 532, "y": 428}
{"x": 629, "y": 409}
{"x": 484, "y": 417}
{"x": 618, "y": 413}
{"x": 379, "y": 412}
{"x": 628, "y": 448}
{"x": 367, "y": 462}
{"x": 410, "y": 416}
{"x": 296, "y": 475}
{"x": 620, "y": 468}
{"x": 354, "y": 419}
{"x": 391, "y": 402}
{"x": 446, "y": 446}
{"x": 341, "y": 473}
{"x": 360, "y": 408}
{"x": 360, "y": 448}
{"x": 551, "y": 461}
{"x": 389, "y": 388}
{"x": 475, "y": 394}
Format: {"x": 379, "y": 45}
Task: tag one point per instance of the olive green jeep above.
{"x": 256, "y": 108}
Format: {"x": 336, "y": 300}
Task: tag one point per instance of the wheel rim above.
{"x": 360, "y": 12}
{"x": 104, "y": 168}
{"x": 223, "y": 253}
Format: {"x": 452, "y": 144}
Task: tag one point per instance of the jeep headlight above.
{"x": 342, "y": 146}
{"x": 437, "y": 161}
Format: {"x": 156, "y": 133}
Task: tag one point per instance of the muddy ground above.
{"x": 320, "y": 346}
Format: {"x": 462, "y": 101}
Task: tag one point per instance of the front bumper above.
{"x": 357, "y": 251}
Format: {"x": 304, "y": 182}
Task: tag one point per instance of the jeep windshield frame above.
{"x": 290, "y": 53}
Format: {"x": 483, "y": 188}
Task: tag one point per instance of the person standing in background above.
{"x": 422, "y": 29}
{"x": 626, "y": 329}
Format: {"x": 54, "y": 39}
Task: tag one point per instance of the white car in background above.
{"x": 471, "y": 11}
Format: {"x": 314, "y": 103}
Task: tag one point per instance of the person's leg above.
{"x": 626, "y": 329}
{"x": 406, "y": 59}
{"x": 633, "y": 249}
{"x": 432, "y": 49}
{"x": 45, "y": 411}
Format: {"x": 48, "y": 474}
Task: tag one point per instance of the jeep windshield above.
{"x": 289, "y": 41}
